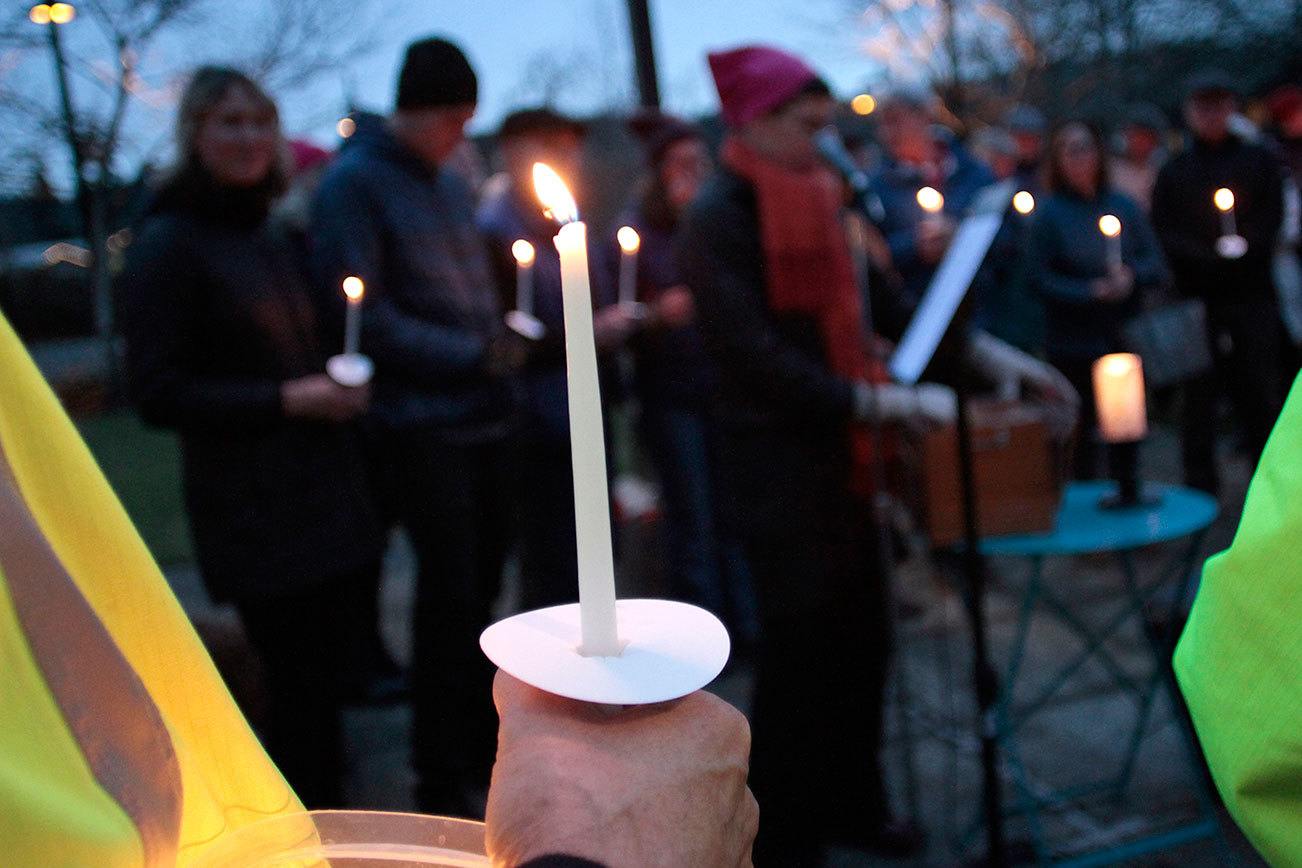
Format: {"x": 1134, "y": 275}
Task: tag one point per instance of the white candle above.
{"x": 629, "y": 242}
{"x": 587, "y": 445}
{"x": 1119, "y": 398}
{"x": 353, "y": 291}
{"x": 524, "y": 255}
{"x": 1110, "y": 226}
{"x": 1223, "y": 199}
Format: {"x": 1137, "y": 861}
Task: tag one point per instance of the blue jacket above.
{"x": 430, "y": 310}
{"x": 1068, "y": 252}
{"x": 897, "y": 185}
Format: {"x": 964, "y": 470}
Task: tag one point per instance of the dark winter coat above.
{"x": 217, "y": 314}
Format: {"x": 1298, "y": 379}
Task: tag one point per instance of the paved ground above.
{"x": 931, "y": 752}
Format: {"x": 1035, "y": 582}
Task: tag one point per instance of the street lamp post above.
{"x": 89, "y": 204}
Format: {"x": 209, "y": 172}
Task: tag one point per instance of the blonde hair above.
{"x": 207, "y": 87}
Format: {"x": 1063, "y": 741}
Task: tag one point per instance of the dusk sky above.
{"x": 581, "y": 47}
{"x": 507, "y": 39}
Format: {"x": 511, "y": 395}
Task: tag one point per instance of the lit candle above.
{"x": 930, "y": 200}
{"x": 1023, "y": 202}
{"x": 629, "y": 242}
{"x": 524, "y": 255}
{"x": 1110, "y": 226}
{"x": 587, "y": 445}
{"x": 1223, "y": 199}
{"x": 354, "y": 289}
{"x": 1119, "y": 397}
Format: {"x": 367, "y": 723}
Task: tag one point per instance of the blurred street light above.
{"x": 52, "y": 13}
{"x": 863, "y": 104}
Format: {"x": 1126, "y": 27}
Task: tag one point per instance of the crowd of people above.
{"x": 755, "y": 375}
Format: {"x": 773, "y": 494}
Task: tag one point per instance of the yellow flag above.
{"x": 119, "y": 743}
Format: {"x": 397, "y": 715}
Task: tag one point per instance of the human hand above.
{"x": 317, "y": 396}
{"x": 657, "y": 785}
{"x": 928, "y": 405}
{"x": 1116, "y": 286}
{"x": 612, "y": 325}
{"x": 675, "y": 308}
{"x": 507, "y": 353}
{"x": 932, "y": 237}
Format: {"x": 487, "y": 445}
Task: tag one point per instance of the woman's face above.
{"x": 237, "y": 140}
{"x": 1079, "y": 158}
{"x": 683, "y": 168}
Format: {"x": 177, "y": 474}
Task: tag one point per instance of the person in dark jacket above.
{"x": 388, "y": 212}
{"x": 222, "y": 345}
{"x": 918, "y": 155}
{"x": 675, "y": 383}
{"x": 548, "y": 546}
{"x": 1244, "y": 326}
{"x": 1088, "y": 296}
{"x": 764, "y": 252}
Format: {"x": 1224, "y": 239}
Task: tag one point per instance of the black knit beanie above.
{"x": 436, "y": 73}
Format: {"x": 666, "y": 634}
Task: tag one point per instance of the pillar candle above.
{"x": 1119, "y": 396}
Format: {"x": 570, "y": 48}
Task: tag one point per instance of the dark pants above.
{"x": 707, "y": 566}
{"x": 822, "y": 660}
{"x": 301, "y": 639}
{"x": 1122, "y": 458}
{"x": 453, "y": 500}
{"x": 1245, "y": 344}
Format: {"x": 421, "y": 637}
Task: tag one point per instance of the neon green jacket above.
{"x": 1239, "y": 661}
{"x": 119, "y": 745}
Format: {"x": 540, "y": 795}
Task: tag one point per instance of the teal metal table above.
{"x": 1181, "y": 518}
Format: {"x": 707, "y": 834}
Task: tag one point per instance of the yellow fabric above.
{"x": 52, "y": 812}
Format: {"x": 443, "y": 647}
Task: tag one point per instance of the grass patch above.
{"x": 144, "y": 467}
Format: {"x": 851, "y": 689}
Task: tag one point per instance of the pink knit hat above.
{"x": 755, "y": 79}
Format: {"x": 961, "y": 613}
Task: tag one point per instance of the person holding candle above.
{"x": 1245, "y": 330}
{"x": 919, "y": 155}
{"x": 544, "y": 482}
{"x": 223, "y": 346}
{"x": 675, "y": 381}
{"x": 391, "y": 212}
{"x": 764, "y": 251}
{"x": 1091, "y": 284}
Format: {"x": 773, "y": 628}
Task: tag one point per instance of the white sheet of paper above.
{"x": 950, "y": 284}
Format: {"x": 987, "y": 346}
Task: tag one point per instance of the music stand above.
{"x": 935, "y": 316}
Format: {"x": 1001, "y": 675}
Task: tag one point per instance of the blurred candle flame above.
{"x": 523, "y": 252}
{"x": 629, "y": 240}
{"x": 557, "y": 201}
{"x": 354, "y": 288}
{"x": 1109, "y": 225}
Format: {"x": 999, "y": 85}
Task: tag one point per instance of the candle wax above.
{"x": 588, "y": 448}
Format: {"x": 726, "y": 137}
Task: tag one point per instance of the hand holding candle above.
{"x": 630, "y": 652}
{"x": 1231, "y": 245}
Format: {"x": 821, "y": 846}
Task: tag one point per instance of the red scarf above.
{"x": 809, "y": 270}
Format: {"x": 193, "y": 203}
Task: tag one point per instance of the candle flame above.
{"x": 1224, "y": 199}
{"x": 557, "y": 201}
{"x": 629, "y": 240}
{"x": 523, "y": 252}
{"x": 1023, "y": 202}
{"x": 1109, "y": 225}
{"x": 930, "y": 200}
{"x": 354, "y": 288}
